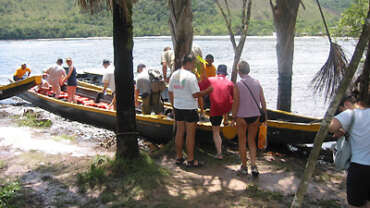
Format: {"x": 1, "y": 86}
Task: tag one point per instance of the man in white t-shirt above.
{"x": 55, "y": 75}
{"x": 109, "y": 82}
{"x": 183, "y": 91}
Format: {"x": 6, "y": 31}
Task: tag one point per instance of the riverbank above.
{"x": 69, "y": 164}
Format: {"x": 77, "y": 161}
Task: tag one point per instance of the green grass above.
{"x": 31, "y": 120}
{"x": 8, "y": 193}
{"x": 121, "y": 180}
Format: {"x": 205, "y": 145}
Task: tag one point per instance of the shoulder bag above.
{"x": 342, "y": 151}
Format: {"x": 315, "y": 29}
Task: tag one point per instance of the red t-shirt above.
{"x": 222, "y": 95}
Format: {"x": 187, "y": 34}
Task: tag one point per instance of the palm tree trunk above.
{"x": 285, "y": 17}
{"x": 323, "y": 132}
{"x": 127, "y": 145}
{"x": 181, "y": 28}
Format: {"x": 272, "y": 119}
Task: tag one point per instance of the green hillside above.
{"x": 23, "y": 19}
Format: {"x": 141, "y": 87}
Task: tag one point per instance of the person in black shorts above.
{"x": 220, "y": 91}
{"x": 183, "y": 91}
{"x": 355, "y": 122}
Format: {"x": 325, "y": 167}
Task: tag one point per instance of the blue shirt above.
{"x": 359, "y": 133}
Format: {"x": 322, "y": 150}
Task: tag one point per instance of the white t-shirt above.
{"x": 55, "y": 73}
{"x": 184, "y": 84}
{"x": 109, "y": 77}
{"x": 359, "y": 134}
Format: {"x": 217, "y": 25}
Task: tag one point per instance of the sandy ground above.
{"x": 46, "y": 165}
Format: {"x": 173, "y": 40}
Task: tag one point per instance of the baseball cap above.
{"x": 222, "y": 69}
{"x": 106, "y": 61}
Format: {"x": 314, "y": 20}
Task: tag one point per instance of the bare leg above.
{"x": 69, "y": 91}
{"x": 73, "y": 94}
{"x": 242, "y": 126}
{"x": 190, "y": 139}
{"x": 113, "y": 103}
{"x": 179, "y": 138}
{"x": 217, "y": 140}
{"x": 252, "y": 132}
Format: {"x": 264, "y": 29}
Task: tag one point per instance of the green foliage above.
{"x": 352, "y": 19}
{"x": 31, "y": 119}
{"x": 64, "y": 19}
{"x": 337, "y": 5}
{"x": 7, "y": 194}
{"x": 137, "y": 175}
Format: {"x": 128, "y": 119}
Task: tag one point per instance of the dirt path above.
{"x": 47, "y": 161}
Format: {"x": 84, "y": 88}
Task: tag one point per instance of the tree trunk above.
{"x": 285, "y": 17}
{"x": 181, "y": 28}
{"x": 323, "y": 132}
{"x": 127, "y": 145}
{"x": 365, "y": 76}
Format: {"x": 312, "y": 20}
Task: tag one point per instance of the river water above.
{"x": 310, "y": 54}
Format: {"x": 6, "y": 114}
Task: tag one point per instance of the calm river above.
{"x": 310, "y": 54}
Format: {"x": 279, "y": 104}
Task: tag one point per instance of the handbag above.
{"x": 342, "y": 151}
{"x": 262, "y": 117}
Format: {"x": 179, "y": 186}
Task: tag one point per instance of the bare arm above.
{"x": 69, "y": 73}
{"x": 203, "y": 92}
{"x": 170, "y": 94}
{"x": 137, "y": 92}
{"x": 105, "y": 86}
{"x": 336, "y": 128}
{"x": 164, "y": 70}
{"x": 263, "y": 102}
{"x": 236, "y": 102}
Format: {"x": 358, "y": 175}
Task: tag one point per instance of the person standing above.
{"x": 220, "y": 92}
{"x": 143, "y": 89}
{"x": 22, "y": 73}
{"x": 358, "y": 181}
{"x": 209, "y": 70}
{"x": 56, "y": 74}
{"x": 71, "y": 79}
{"x": 167, "y": 61}
{"x": 109, "y": 82}
{"x": 246, "y": 113}
{"x": 183, "y": 91}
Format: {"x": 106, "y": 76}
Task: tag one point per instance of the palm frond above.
{"x": 331, "y": 73}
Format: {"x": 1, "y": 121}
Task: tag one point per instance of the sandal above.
{"x": 255, "y": 172}
{"x": 179, "y": 161}
{"x": 192, "y": 164}
{"x": 219, "y": 157}
{"x": 243, "y": 170}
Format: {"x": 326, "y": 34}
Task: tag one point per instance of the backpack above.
{"x": 157, "y": 84}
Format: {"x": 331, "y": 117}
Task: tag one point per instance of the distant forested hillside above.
{"x": 23, "y": 19}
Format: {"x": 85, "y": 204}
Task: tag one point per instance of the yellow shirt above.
{"x": 209, "y": 71}
{"x": 20, "y": 72}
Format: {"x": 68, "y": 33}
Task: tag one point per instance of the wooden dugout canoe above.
{"x": 14, "y": 88}
{"x": 157, "y": 128}
{"x": 283, "y": 127}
